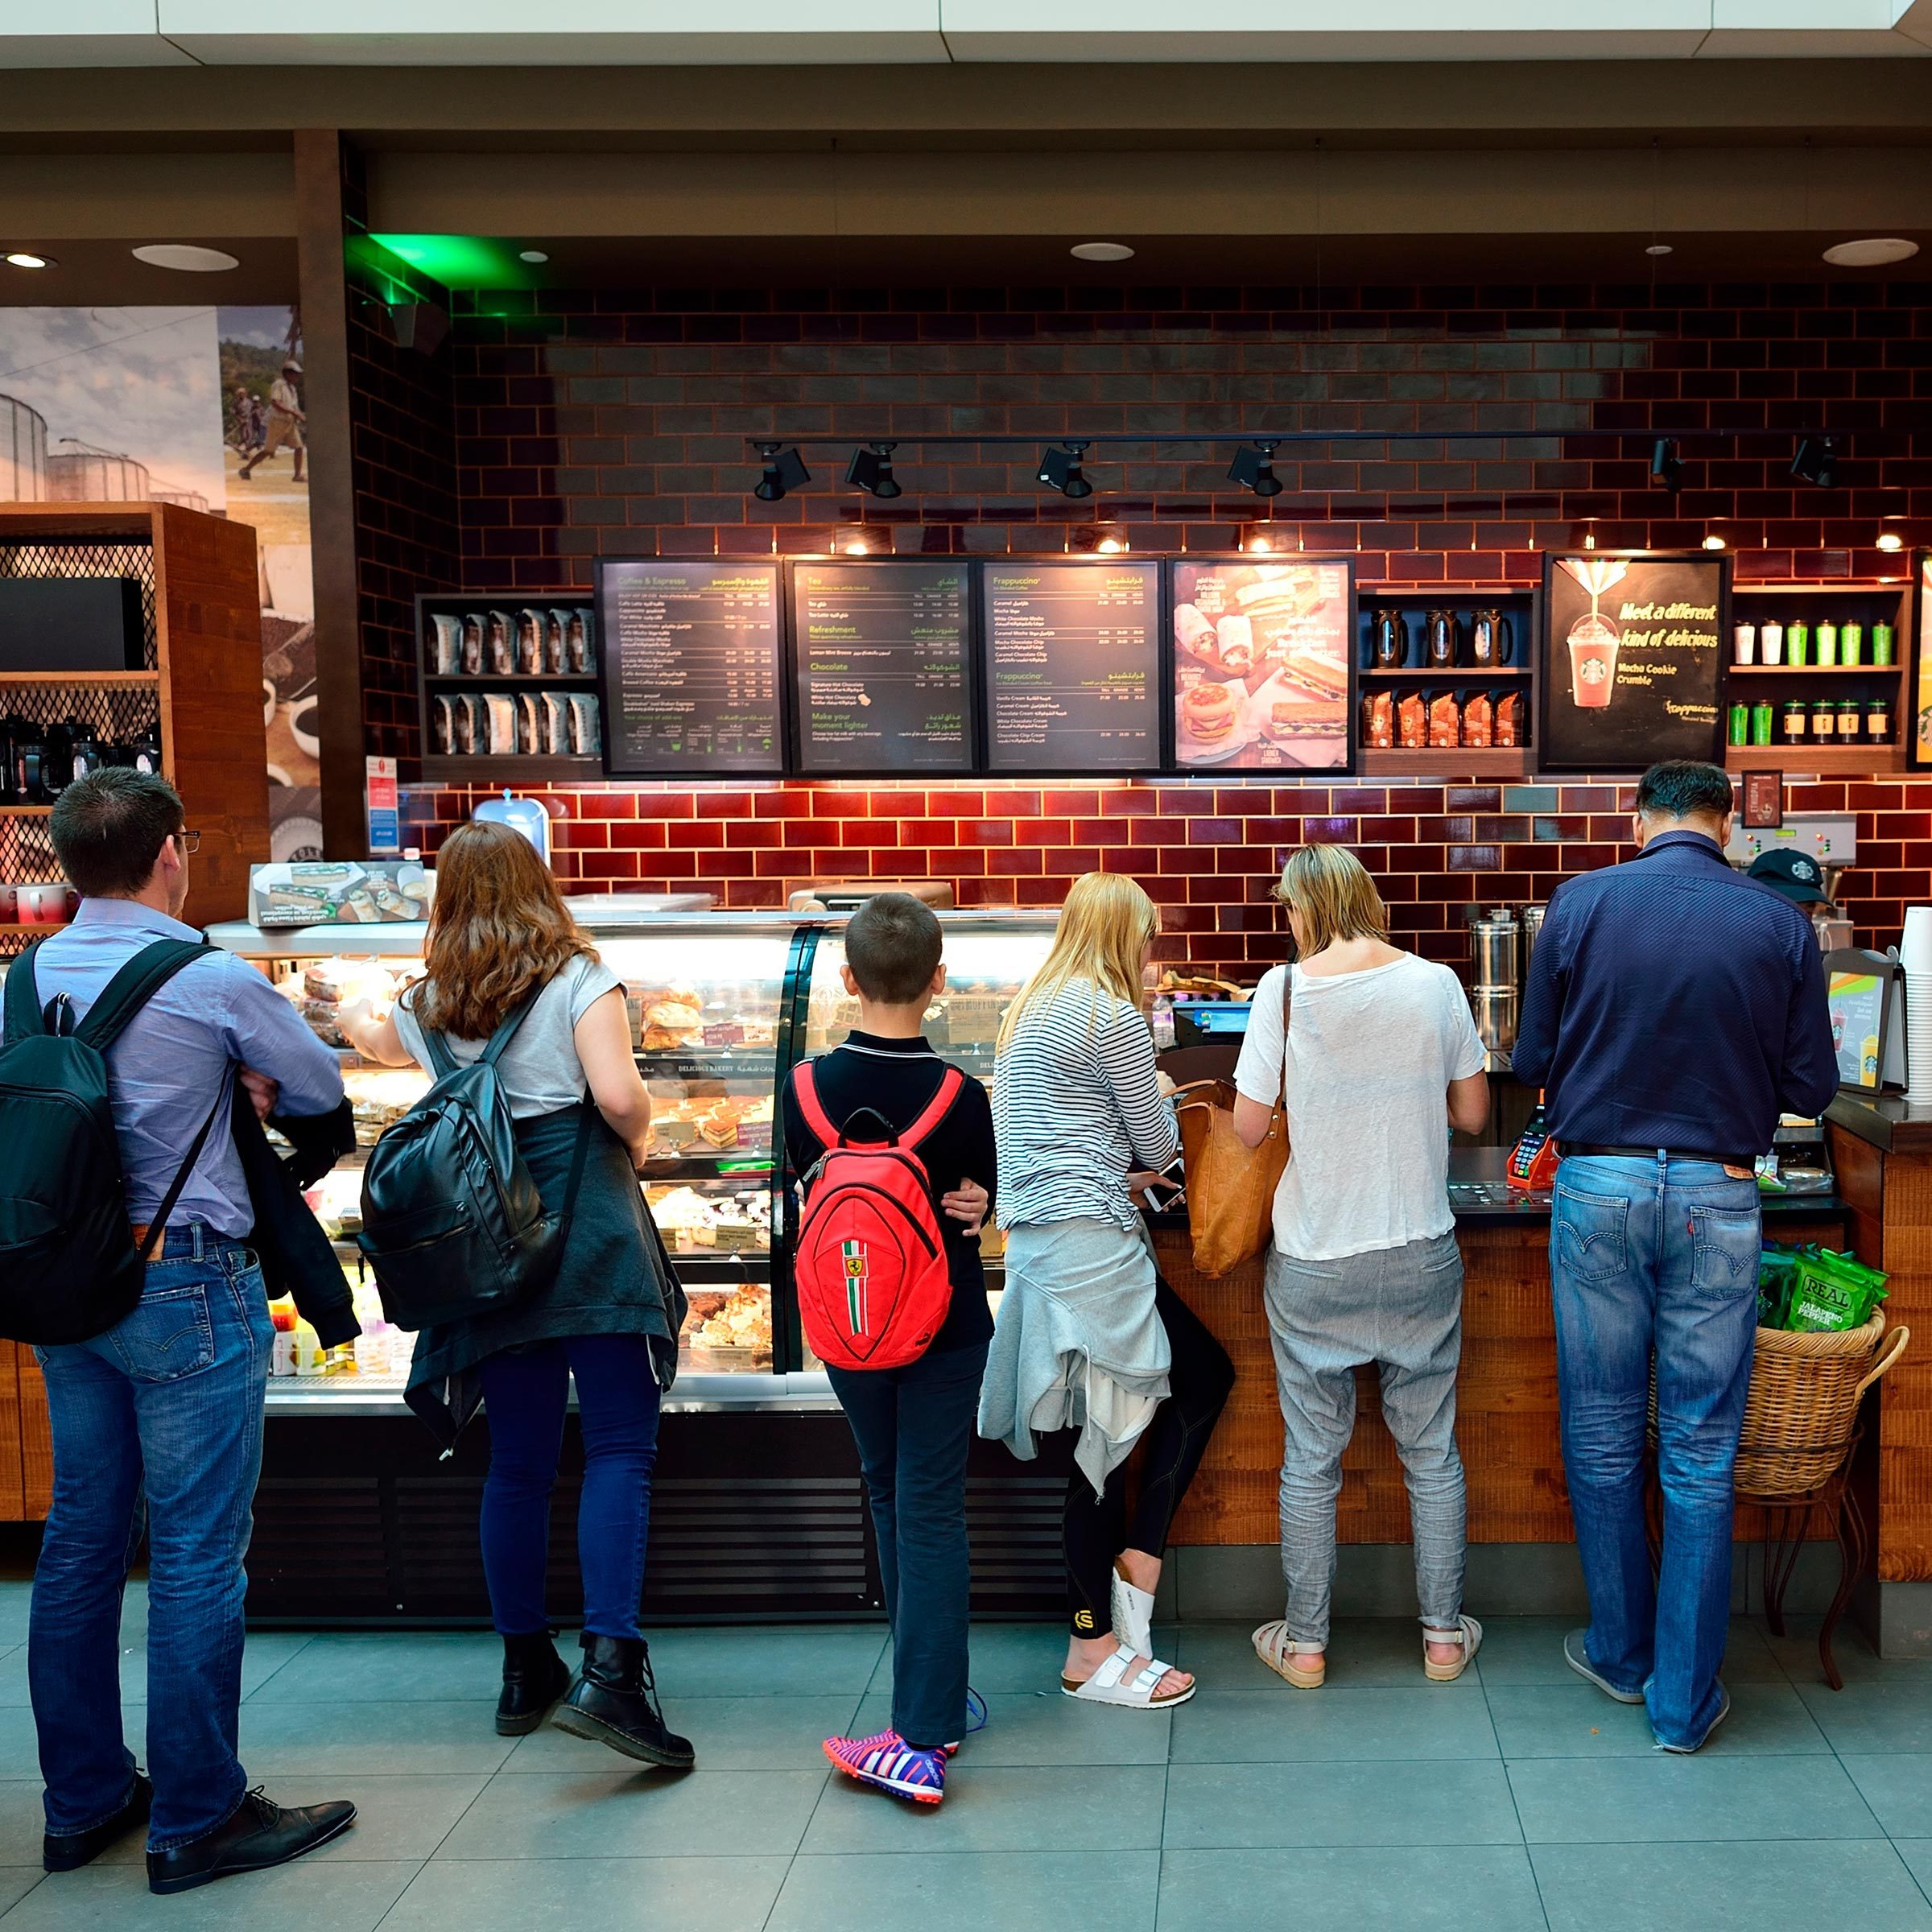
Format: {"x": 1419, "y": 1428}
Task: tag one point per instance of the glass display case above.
{"x": 720, "y": 1005}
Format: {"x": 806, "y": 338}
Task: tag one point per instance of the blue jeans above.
{"x": 161, "y": 1416}
{"x": 524, "y": 1393}
{"x": 914, "y": 1427}
{"x": 1646, "y": 1255}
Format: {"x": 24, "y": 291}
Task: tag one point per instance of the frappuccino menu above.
{"x": 880, "y": 653}
{"x": 1072, "y": 660}
{"x": 690, "y": 666}
{"x": 1633, "y": 659}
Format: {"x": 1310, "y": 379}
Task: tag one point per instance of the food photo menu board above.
{"x": 1263, "y": 666}
{"x": 1071, "y": 662}
{"x": 880, "y": 667}
{"x": 1632, "y": 659}
{"x": 689, "y": 666}
{"x": 1918, "y": 692}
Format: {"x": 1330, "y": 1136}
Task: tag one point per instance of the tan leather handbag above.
{"x": 1230, "y": 1186}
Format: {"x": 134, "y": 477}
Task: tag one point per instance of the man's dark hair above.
{"x": 893, "y": 944}
{"x": 109, "y": 828}
{"x": 1683, "y": 788}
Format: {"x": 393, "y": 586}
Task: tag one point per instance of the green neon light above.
{"x": 465, "y": 262}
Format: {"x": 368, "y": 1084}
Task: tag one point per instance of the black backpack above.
{"x": 69, "y": 1270}
{"x": 452, "y": 1225}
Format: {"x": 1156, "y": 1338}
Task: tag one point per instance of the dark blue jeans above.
{"x": 914, "y": 1427}
{"x": 524, "y": 1393}
{"x": 1645, "y": 1255}
{"x": 161, "y": 1416}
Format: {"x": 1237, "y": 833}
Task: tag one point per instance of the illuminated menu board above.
{"x": 880, "y": 651}
{"x": 1072, "y": 666}
{"x": 689, "y": 666}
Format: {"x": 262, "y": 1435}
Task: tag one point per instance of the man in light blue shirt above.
{"x": 162, "y": 1415}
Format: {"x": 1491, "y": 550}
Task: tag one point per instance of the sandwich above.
{"x": 1209, "y": 712}
{"x": 1234, "y": 640}
{"x": 1297, "y": 713}
{"x": 1317, "y": 671}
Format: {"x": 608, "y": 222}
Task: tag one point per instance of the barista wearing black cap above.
{"x": 1794, "y": 875}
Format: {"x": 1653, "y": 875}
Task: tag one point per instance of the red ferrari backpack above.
{"x": 871, "y": 1263}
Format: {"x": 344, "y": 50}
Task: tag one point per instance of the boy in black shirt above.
{"x": 913, "y": 1424}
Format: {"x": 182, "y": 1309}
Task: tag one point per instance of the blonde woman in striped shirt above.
{"x": 1088, "y": 1336}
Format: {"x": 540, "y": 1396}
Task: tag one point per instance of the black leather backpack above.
{"x": 453, "y": 1226}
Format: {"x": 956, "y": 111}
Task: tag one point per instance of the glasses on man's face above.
{"x": 188, "y": 843}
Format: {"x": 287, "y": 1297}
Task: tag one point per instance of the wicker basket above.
{"x": 1804, "y": 1391}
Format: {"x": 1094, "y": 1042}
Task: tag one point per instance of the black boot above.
{"x": 535, "y": 1677}
{"x": 258, "y": 1834}
{"x": 615, "y": 1703}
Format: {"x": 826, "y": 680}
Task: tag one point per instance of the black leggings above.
{"x": 1096, "y": 1529}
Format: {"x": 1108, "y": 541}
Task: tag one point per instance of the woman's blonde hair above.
{"x": 1329, "y": 887}
{"x": 1106, "y": 924}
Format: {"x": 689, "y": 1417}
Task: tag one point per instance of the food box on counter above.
{"x": 362, "y": 892}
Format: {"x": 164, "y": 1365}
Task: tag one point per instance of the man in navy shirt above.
{"x": 1674, "y": 1009}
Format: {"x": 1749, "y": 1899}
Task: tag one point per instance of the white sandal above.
{"x": 1104, "y": 1686}
{"x": 1278, "y": 1650}
{"x": 1133, "y": 1616}
{"x": 1469, "y": 1633}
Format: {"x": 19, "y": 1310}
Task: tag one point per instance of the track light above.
{"x": 784, "y": 469}
{"x": 1816, "y": 462}
{"x": 871, "y": 470}
{"x": 1060, "y": 469}
{"x": 1253, "y": 468}
{"x": 1666, "y": 464}
{"x": 1889, "y": 540}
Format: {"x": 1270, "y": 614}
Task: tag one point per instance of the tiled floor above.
{"x": 1515, "y": 1801}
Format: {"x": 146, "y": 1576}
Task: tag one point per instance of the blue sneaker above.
{"x": 888, "y": 1761}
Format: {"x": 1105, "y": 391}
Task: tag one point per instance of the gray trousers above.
{"x": 1402, "y": 1309}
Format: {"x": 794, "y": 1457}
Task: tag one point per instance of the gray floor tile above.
{"x": 728, "y": 1734}
{"x": 1014, "y": 1657}
{"x": 812, "y": 1661}
{"x": 1432, "y": 1889}
{"x": 999, "y": 1808}
{"x": 410, "y": 1666}
{"x": 1797, "y": 1650}
{"x": 1693, "y": 1887}
{"x": 19, "y": 1745}
{"x": 1576, "y": 1720}
{"x": 600, "y": 1813}
{"x": 1657, "y": 1799}
{"x": 1917, "y": 1852}
{"x": 1033, "y": 1728}
{"x": 1897, "y": 1785}
{"x": 16, "y": 1596}
{"x": 1889, "y": 1712}
{"x": 1014, "y": 1891}
{"x": 1265, "y": 1805}
{"x": 266, "y": 1653}
{"x": 1275, "y": 1723}
{"x": 301, "y": 1898}
{"x": 329, "y": 1739}
{"x": 1364, "y": 1653}
{"x": 1529, "y": 1650}
{"x": 589, "y": 1895}
{"x": 22, "y": 1820}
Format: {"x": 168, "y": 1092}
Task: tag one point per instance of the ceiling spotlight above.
{"x": 1890, "y": 540}
{"x": 1816, "y": 462}
{"x": 1101, "y": 251}
{"x": 25, "y": 258}
{"x": 1258, "y": 541}
{"x": 185, "y": 256}
{"x": 1874, "y": 253}
{"x": 1060, "y": 469}
{"x": 1666, "y": 464}
{"x": 532, "y": 255}
{"x": 1253, "y": 468}
{"x": 870, "y": 470}
{"x": 1660, "y": 248}
{"x": 1714, "y": 542}
{"x": 784, "y": 469}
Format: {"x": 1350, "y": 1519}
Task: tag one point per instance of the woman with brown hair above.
{"x": 504, "y": 951}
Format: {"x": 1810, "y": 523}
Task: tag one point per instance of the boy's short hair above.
{"x": 893, "y": 945}
{"x": 109, "y": 828}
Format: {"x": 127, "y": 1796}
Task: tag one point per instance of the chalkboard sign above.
{"x": 1072, "y": 666}
{"x": 688, "y": 665}
{"x": 1263, "y": 664}
{"x": 1633, "y": 666}
{"x": 881, "y": 667}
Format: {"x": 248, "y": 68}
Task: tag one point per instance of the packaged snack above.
{"x": 556, "y": 648}
{"x": 583, "y": 645}
{"x": 442, "y": 726}
{"x": 1508, "y": 728}
{"x": 585, "y": 739}
{"x": 556, "y": 721}
{"x": 472, "y": 656}
{"x": 1445, "y": 722}
{"x": 1478, "y": 721}
{"x": 1378, "y": 720}
{"x": 1832, "y": 1292}
{"x": 501, "y": 716}
{"x": 1412, "y": 722}
{"x": 462, "y": 724}
{"x": 1777, "y": 1271}
{"x": 529, "y": 643}
{"x": 499, "y": 644}
{"x": 446, "y": 644}
{"x": 527, "y": 722}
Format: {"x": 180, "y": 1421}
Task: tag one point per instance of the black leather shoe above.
{"x": 69, "y": 1850}
{"x": 257, "y": 1836}
{"x": 615, "y": 1703}
{"x": 535, "y": 1677}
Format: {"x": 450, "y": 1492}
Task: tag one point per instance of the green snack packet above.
{"x": 1777, "y": 1271}
{"x": 1832, "y": 1293}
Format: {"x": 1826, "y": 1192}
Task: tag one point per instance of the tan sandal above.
{"x": 1468, "y": 1634}
{"x": 1274, "y": 1646}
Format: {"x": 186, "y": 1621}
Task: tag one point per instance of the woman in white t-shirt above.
{"x": 1380, "y": 1060}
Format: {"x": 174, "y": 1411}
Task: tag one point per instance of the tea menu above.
{"x": 690, "y": 666}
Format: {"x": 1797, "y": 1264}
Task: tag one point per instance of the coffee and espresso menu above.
{"x": 1633, "y": 668}
{"x": 879, "y": 655}
{"x": 690, "y": 666}
{"x": 1072, "y": 656}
